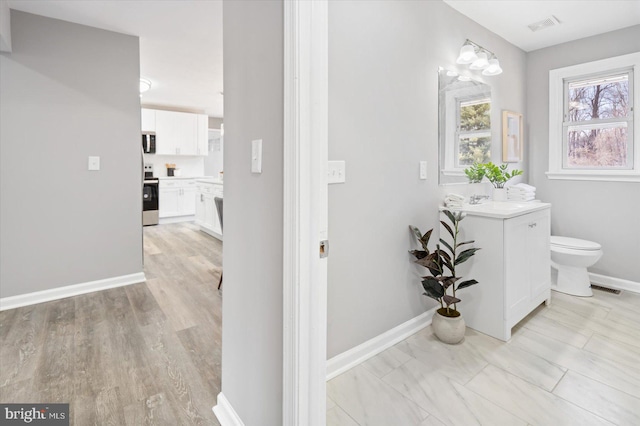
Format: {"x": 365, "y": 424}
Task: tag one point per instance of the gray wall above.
{"x": 252, "y": 308}
{"x": 383, "y": 119}
{"x": 67, "y": 92}
{"x": 604, "y": 212}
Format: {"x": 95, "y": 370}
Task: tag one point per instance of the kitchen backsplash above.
{"x": 189, "y": 166}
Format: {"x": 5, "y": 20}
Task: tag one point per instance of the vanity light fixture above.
{"x": 479, "y": 58}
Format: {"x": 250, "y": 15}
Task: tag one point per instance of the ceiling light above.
{"x": 145, "y": 85}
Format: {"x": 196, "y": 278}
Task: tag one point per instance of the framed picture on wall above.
{"x": 512, "y": 137}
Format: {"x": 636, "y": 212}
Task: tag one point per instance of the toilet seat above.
{"x": 574, "y": 243}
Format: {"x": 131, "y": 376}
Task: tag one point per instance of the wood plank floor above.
{"x": 576, "y": 362}
{"x": 145, "y": 354}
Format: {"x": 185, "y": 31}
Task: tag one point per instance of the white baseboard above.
{"x": 615, "y": 283}
{"x": 176, "y": 219}
{"x": 354, "y": 356}
{"x": 211, "y": 232}
{"x": 225, "y": 413}
{"x": 68, "y": 291}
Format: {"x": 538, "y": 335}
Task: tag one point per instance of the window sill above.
{"x": 453, "y": 172}
{"x": 590, "y": 175}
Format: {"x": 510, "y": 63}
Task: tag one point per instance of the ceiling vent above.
{"x": 545, "y": 23}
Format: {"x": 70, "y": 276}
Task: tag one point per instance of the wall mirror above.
{"x": 464, "y": 125}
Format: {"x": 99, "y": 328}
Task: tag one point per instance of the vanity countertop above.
{"x": 501, "y": 209}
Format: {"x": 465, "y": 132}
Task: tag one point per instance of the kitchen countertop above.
{"x": 183, "y": 177}
{"x": 209, "y": 180}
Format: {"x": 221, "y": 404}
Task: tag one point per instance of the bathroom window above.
{"x": 591, "y": 121}
{"x": 473, "y": 142}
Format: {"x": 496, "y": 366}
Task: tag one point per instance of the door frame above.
{"x": 305, "y": 212}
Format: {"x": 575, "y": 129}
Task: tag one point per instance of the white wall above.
{"x": 252, "y": 308}
{"x": 383, "y": 119}
{"x": 605, "y": 212}
{"x": 68, "y": 92}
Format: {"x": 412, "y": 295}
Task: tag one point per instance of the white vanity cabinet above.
{"x": 206, "y": 211}
{"x": 512, "y": 267}
{"x": 527, "y": 264}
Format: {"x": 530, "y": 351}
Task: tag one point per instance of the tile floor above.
{"x": 576, "y": 362}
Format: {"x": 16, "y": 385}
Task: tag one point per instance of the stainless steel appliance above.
{"x": 149, "y": 142}
{"x": 148, "y": 171}
{"x": 150, "y": 201}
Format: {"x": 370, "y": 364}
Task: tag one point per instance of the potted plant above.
{"x": 475, "y": 172}
{"x": 497, "y": 175}
{"x": 441, "y": 285}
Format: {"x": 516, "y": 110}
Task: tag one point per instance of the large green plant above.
{"x": 442, "y": 262}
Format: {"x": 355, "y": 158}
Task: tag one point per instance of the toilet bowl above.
{"x": 571, "y": 257}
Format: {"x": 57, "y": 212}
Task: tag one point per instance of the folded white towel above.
{"x": 453, "y": 196}
{"x": 523, "y": 186}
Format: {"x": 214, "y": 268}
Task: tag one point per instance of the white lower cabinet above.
{"x": 177, "y": 198}
{"x": 512, "y": 268}
{"x": 206, "y": 212}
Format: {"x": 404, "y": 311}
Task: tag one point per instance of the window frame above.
{"x": 469, "y": 133}
{"x": 558, "y": 81}
{"x": 453, "y": 100}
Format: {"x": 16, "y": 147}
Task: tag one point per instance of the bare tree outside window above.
{"x": 597, "y": 121}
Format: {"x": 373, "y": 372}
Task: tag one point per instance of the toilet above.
{"x": 571, "y": 257}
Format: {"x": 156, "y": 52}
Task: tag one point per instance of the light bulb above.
{"x": 480, "y": 63}
{"x": 467, "y": 54}
{"x": 493, "y": 68}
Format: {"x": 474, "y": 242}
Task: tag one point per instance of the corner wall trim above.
{"x": 354, "y": 356}
{"x": 615, "y": 283}
{"x": 225, "y": 413}
{"x": 20, "y": 300}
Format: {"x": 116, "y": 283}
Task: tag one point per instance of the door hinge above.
{"x": 324, "y": 249}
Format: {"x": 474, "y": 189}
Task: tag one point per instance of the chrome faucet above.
{"x": 475, "y": 199}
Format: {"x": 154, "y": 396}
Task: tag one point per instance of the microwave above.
{"x": 149, "y": 142}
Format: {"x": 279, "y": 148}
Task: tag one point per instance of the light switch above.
{"x": 256, "y": 156}
{"x": 423, "y": 170}
{"x": 336, "y": 172}
{"x": 94, "y": 163}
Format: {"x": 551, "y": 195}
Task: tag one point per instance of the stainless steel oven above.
{"x": 150, "y": 201}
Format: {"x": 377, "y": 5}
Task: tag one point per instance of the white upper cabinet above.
{"x": 178, "y": 133}
{"x": 148, "y": 123}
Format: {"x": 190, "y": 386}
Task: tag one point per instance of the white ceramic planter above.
{"x": 447, "y": 329}
{"x": 499, "y": 194}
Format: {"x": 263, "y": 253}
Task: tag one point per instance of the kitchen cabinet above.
{"x": 177, "y": 197}
{"x": 178, "y": 133}
{"x": 512, "y": 268}
{"x": 206, "y": 212}
{"x": 148, "y": 122}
